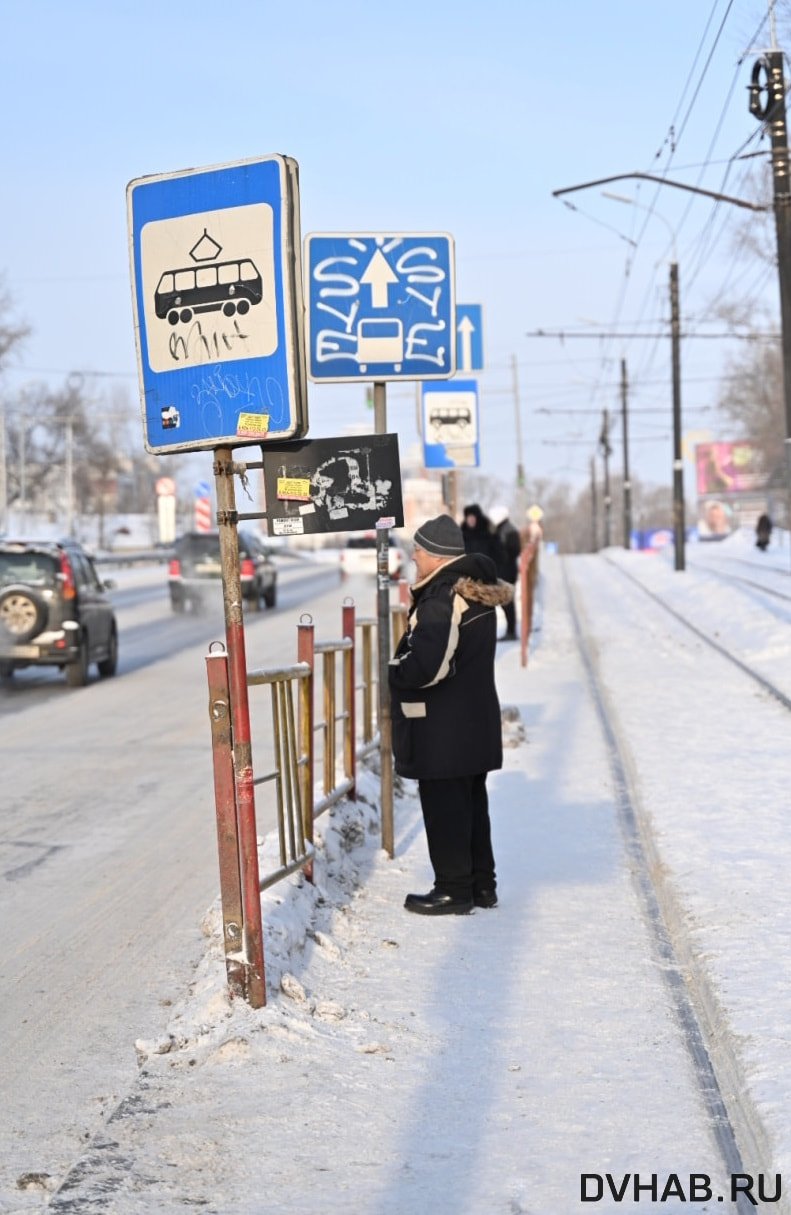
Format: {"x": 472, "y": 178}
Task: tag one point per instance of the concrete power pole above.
{"x": 594, "y": 508}
{"x": 520, "y": 468}
{"x": 679, "y": 525}
{"x": 767, "y": 104}
{"x": 627, "y": 485}
{"x": 604, "y": 443}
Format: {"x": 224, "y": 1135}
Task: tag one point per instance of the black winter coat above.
{"x": 445, "y": 711}
{"x": 511, "y": 548}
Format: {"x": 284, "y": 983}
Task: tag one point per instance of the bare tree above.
{"x": 12, "y": 333}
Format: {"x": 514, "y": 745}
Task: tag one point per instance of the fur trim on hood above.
{"x": 493, "y": 594}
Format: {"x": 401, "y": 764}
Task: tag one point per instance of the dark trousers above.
{"x": 456, "y": 816}
{"x": 510, "y": 617}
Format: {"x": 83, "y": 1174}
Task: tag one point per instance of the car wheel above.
{"x": 108, "y": 665}
{"x": 6, "y": 670}
{"x": 23, "y": 613}
{"x": 77, "y": 672}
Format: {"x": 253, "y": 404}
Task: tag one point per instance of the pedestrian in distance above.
{"x": 508, "y": 569}
{"x": 445, "y": 713}
{"x": 763, "y": 533}
{"x": 480, "y": 534}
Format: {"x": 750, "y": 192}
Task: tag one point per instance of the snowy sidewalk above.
{"x": 472, "y": 1065}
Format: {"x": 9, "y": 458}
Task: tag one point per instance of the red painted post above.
{"x": 225, "y": 805}
{"x": 350, "y": 693}
{"x": 524, "y": 626}
{"x": 526, "y": 575}
{"x": 245, "y": 815}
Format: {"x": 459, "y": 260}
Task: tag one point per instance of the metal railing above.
{"x": 302, "y": 744}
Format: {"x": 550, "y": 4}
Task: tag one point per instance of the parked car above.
{"x": 359, "y": 555}
{"x": 54, "y": 610}
{"x": 195, "y": 571}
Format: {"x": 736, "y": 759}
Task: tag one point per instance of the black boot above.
{"x": 437, "y": 902}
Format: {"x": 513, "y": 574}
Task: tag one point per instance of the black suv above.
{"x": 54, "y": 610}
{"x": 195, "y": 567}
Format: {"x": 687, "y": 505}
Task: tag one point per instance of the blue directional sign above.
{"x": 380, "y": 307}
{"x": 450, "y": 424}
{"x": 469, "y": 338}
{"x": 217, "y": 292}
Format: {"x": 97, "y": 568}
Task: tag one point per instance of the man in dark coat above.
{"x": 445, "y": 713}
{"x": 480, "y": 534}
{"x": 510, "y": 549}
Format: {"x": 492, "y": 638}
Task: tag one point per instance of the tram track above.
{"x": 736, "y": 1125}
{"x": 766, "y": 684}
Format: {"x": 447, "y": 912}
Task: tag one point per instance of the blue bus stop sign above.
{"x": 380, "y": 307}
{"x": 450, "y": 424}
{"x": 215, "y": 261}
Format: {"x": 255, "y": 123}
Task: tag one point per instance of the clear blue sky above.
{"x": 422, "y": 116}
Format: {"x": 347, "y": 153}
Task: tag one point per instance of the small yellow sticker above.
{"x": 252, "y": 425}
{"x": 294, "y": 489}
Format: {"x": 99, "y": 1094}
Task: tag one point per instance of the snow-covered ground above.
{"x": 482, "y": 1064}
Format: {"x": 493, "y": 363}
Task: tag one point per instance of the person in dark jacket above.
{"x": 763, "y": 533}
{"x": 445, "y": 713}
{"x": 480, "y": 534}
{"x": 508, "y": 569}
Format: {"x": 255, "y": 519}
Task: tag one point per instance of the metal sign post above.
{"x": 383, "y": 623}
{"x": 252, "y": 931}
{"x": 217, "y": 294}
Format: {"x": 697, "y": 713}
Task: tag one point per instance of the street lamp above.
{"x": 679, "y": 529}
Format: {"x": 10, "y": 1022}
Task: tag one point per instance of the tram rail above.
{"x": 767, "y": 684}
{"x": 736, "y": 1126}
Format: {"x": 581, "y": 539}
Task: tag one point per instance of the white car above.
{"x": 359, "y": 556}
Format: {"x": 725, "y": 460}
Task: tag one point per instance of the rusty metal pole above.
{"x": 225, "y": 805}
{"x": 350, "y": 697}
{"x": 240, "y": 721}
{"x": 383, "y": 616}
{"x": 306, "y": 652}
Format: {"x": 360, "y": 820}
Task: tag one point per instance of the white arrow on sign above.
{"x": 466, "y": 329}
{"x": 378, "y": 275}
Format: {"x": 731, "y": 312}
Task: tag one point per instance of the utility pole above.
{"x": 594, "y": 507}
{"x": 678, "y": 464}
{"x": 767, "y": 104}
{"x": 520, "y": 468}
{"x": 604, "y": 442}
{"x": 627, "y": 485}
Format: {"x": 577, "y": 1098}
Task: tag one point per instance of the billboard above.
{"x": 730, "y": 468}
{"x": 732, "y": 485}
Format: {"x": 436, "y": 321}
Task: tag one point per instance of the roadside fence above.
{"x": 324, "y": 718}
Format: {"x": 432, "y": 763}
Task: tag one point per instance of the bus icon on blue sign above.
{"x": 380, "y": 340}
